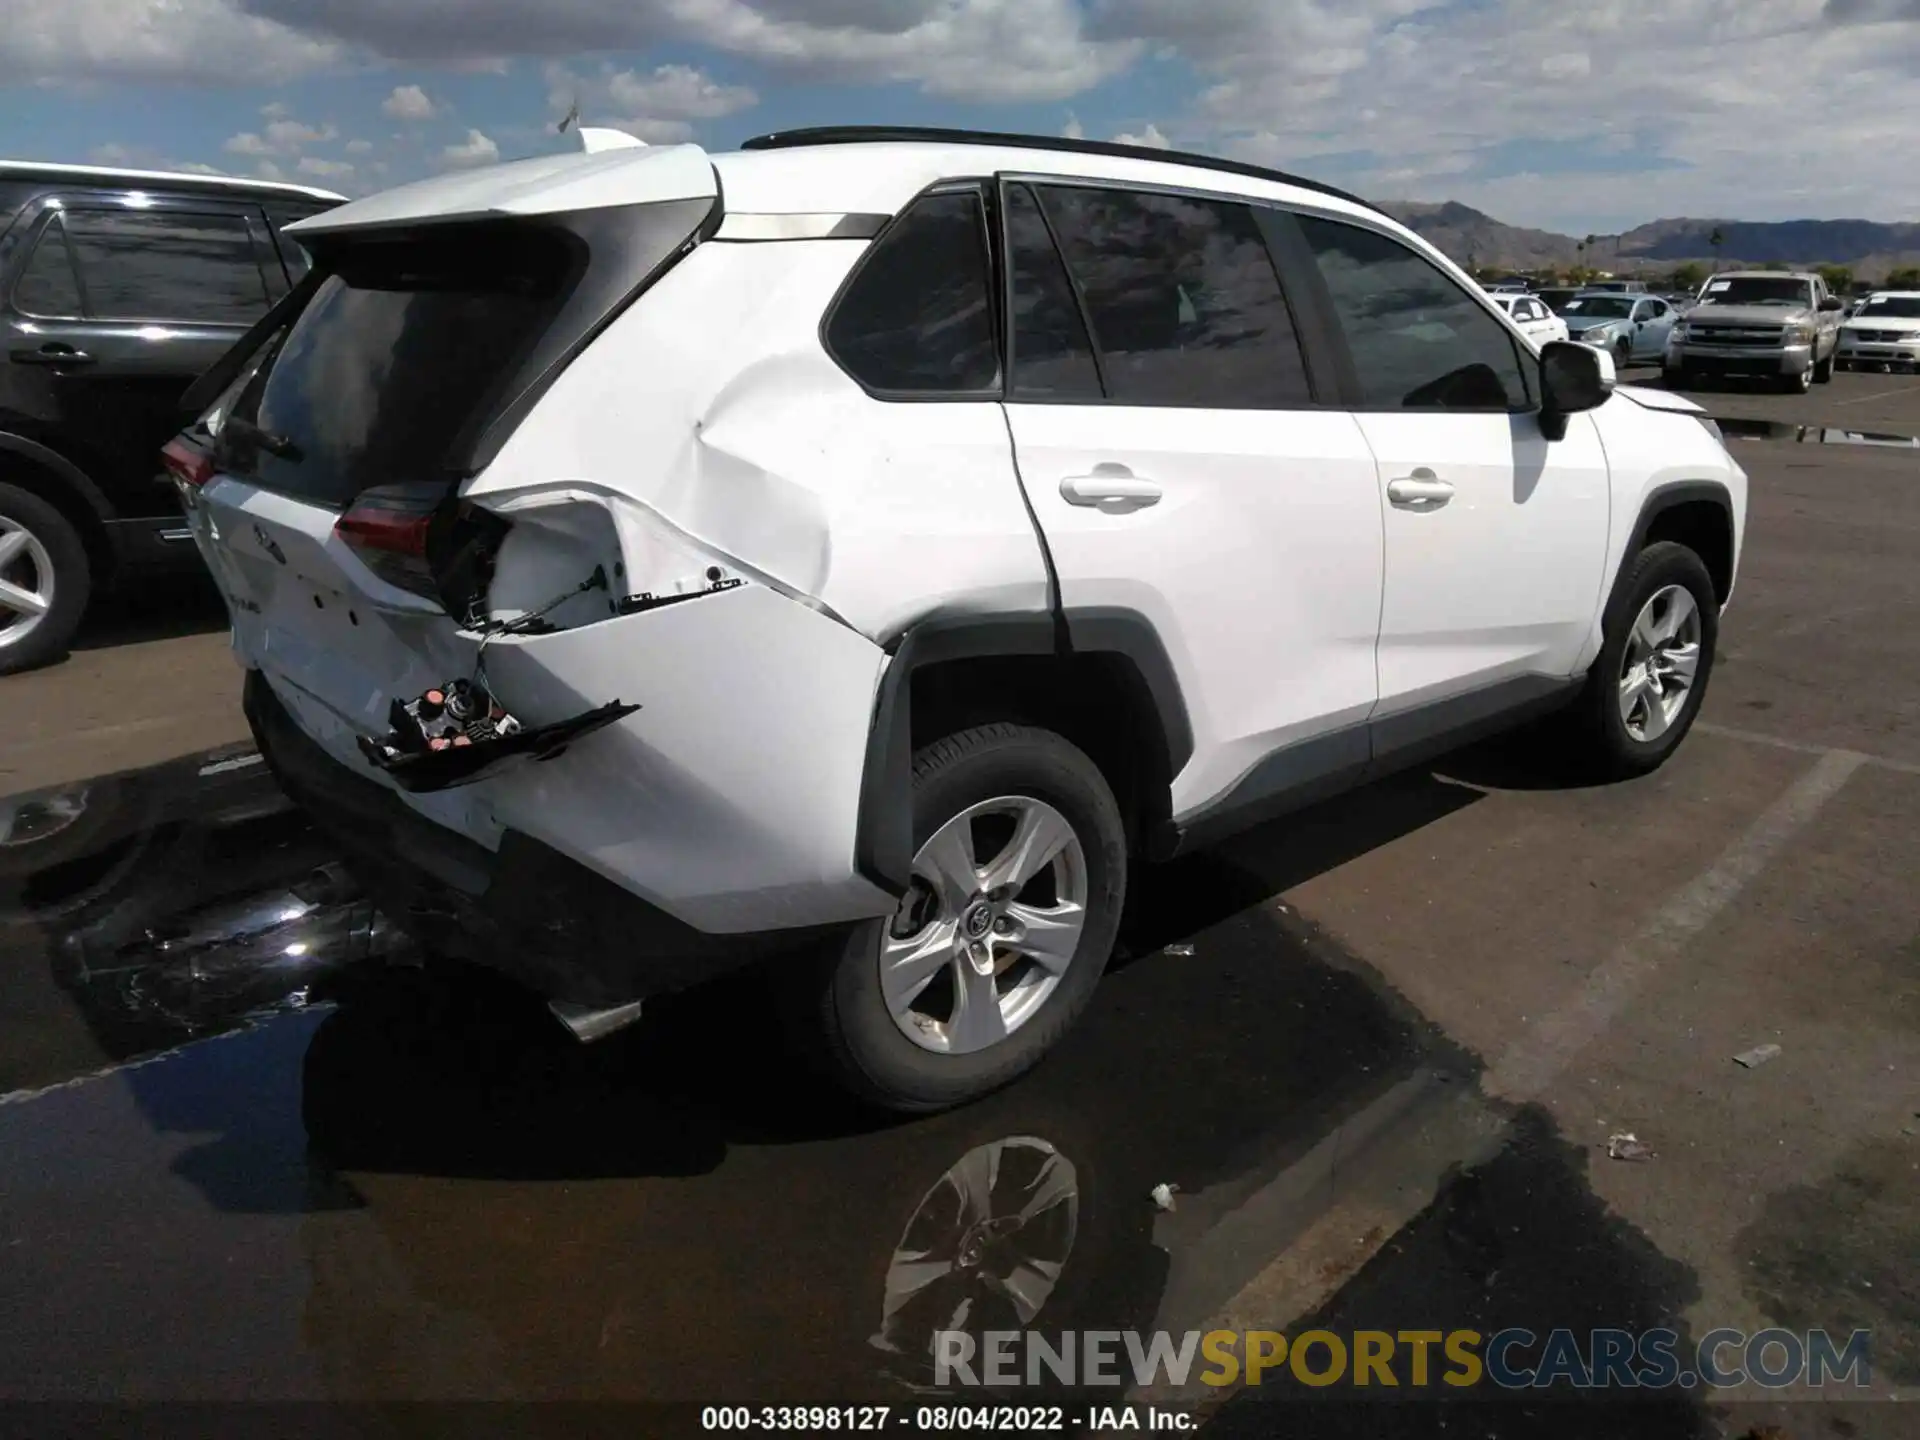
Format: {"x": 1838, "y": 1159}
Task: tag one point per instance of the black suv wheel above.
{"x": 44, "y": 581}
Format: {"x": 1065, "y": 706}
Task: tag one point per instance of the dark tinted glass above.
{"x": 155, "y": 266}
{"x": 916, "y": 317}
{"x": 46, "y": 285}
{"x": 1185, "y": 305}
{"x": 1419, "y": 341}
{"x": 396, "y": 352}
{"x": 1052, "y": 357}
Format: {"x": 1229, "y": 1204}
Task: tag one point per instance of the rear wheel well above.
{"x": 36, "y": 479}
{"x": 1703, "y": 527}
{"x": 1098, "y": 701}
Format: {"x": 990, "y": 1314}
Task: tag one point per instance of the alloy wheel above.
{"x": 1660, "y": 664}
{"x": 26, "y": 582}
{"x": 989, "y": 925}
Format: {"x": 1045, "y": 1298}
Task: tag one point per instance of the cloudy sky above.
{"x": 1590, "y": 116}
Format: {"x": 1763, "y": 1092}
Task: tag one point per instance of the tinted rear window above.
{"x": 399, "y": 351}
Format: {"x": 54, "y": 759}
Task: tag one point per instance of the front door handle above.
{"x": 58, "y": 356}
{"x": 1113, "y": 489}
{"x": 1421, "y": 490}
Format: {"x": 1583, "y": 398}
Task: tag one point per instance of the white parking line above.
{"x": 1536, "y": 1059}
{"x": 1355, "y": 1228}
{"x": 1780, "y": 742}
{"x": 1877, "y": 395}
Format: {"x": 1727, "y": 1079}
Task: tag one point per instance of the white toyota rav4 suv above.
{"x": 859, "y": 550}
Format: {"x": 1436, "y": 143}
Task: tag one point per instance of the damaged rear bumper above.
{"x": 525, "y": 910}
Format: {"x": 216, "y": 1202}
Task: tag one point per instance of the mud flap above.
{"x": 421, "y": 771}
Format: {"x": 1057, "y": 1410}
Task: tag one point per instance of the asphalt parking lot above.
{"x": 1380, "y": 1050}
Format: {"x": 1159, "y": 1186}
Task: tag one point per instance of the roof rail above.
{"x": 935, "y": 135}
{"x": 42, "y": 170}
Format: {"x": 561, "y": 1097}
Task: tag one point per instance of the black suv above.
{"x": 120, "y": 287}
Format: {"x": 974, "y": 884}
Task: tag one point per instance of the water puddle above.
{"x": 1747, "y": 428}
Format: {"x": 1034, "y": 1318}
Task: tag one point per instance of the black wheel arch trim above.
{"x": 63, "y": 469}
{"x": 883, "y": 839}
{"x": 1658, "y": 501}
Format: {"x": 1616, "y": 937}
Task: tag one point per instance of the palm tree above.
{"x": 1716, "y": 240}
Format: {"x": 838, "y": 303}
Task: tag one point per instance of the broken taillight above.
{"x": 387, "y": 529}
{"x": 187, "y": 462}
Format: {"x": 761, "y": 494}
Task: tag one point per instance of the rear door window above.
{"x": 398, "y": 350}
{"x": 1419, "y": 341}
{"x": 162, "y": 266}
{"x": 47, "y": 287}
{"x": 1052, "y": 356}
{"x": 1185, "y": 305}
{"x": 917, "y": 318}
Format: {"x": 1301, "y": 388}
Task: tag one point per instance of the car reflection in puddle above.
{"x": 678, "y": 1213}
{"x": 163, "y": 905}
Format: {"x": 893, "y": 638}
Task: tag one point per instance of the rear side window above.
{"x": 916, "y": 317}
{"x": 47, "y": 287}
{"x": 1185, "y": 304}
{"x": 1419, "y": 341}
{"x": 153, "y": 265}
{"x": 396, "y": 352}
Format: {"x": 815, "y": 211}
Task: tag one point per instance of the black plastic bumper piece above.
{"x": 526, "y": 910}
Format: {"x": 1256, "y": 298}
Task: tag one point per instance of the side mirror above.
{"x": 1573, "y": 378}
{"x": 1833, "y": 302}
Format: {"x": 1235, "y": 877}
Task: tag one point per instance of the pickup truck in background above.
{"x": 1782, "y": 325}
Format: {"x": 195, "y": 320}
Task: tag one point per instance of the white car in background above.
{"x": 1884, "y": 333}
{"x": 1531, "y": 315}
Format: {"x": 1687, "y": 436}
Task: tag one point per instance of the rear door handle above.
{"x": 1421, "y": 490}
{"x": 57, "y": 356}
{"x": 1111, "y": 488}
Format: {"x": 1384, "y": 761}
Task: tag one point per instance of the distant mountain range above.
{"x": 1470, "y": 237}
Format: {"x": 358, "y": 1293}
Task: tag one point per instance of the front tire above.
{"x": 1802, "y": 383}
{"x": 45, "y": 581}
{"x": 1645, "y": 688}
{"x": 1823, "y": 371}
{"x": 1019, "y": 878}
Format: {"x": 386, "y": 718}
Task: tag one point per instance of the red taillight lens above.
{"x": 187, "y": 462}
{"x": 387, "y": 529}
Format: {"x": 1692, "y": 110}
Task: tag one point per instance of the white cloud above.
{"x": 285, "y": 135}
{"x": 408, "y": 102}
{"x": 1150, "y": 137}
{"x": 476, "y": 149}
{"x": 678, "y": 92}
{"x": 358, "y": 147}
{"x": 282, "y": 138}
{"x": 204, "y": 41}
{"x": 110, "y": 154}
{"x": 276, "y": 110}
{"x": 657, "y": 106}
{"x": 327, "y": 169}
{"x": 1073, "y": 129}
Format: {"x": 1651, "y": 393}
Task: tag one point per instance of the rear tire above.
{"x": 866, "y": 1041}
{"x": 43, "y": 564}
{"x": 1623, "y": 740}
